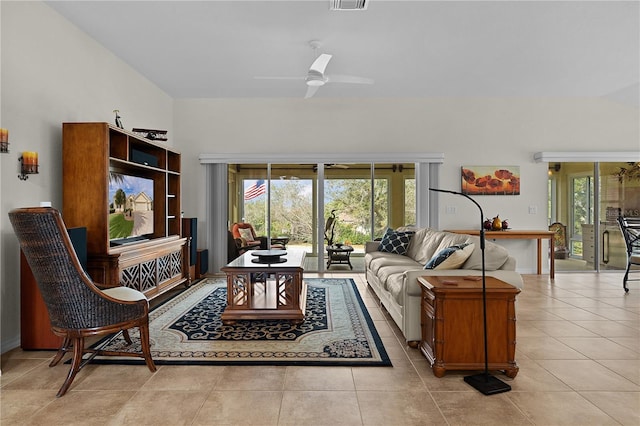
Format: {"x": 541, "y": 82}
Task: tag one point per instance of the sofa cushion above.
{"x": 395, "y": 241}
{"x": 451, "y": 257}
{"x": 376, "y": 260}
{"x": 449, "y": 239}
{"x": 395, "y": 287}
{"x": 386, "y": 272}
{"x": 494, "y": 256}
{"x": 424, "y": 244}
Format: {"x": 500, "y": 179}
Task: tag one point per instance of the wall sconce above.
{"x": 4, "y": 141}
{"x": 28, "y": 164}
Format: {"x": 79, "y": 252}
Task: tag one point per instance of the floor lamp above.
{"x": 483, "y": 382}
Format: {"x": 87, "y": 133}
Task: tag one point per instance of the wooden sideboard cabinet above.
{"x": 452, "y": 324}
{"x": 151, "y": 267}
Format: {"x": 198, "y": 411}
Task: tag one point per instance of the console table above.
{"x": 521, "y": 235}
{"x": 452, "y": 326}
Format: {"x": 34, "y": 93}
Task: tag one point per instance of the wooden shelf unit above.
{"x": 90, "y": 152}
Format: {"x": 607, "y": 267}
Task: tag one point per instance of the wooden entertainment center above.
{"x": 91, "y": 154}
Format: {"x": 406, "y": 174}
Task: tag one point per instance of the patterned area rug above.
{"x": 187, "y": 329}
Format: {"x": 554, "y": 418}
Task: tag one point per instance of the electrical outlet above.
{"x": 533, "y": 209}
{"x": 450, "y": 209}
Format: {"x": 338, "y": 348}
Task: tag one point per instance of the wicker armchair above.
{"x": 77, "y": 307}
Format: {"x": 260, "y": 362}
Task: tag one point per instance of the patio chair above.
{"x": 630, "y": 228}
{"x": 77, "y": 308}
{"x": 246, "y": 234}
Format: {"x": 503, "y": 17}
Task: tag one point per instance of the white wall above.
{"x": 54, "y": 73}
{"x": 468, "y": 131}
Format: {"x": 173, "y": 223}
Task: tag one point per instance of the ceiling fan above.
{"x": 316, "y": 76}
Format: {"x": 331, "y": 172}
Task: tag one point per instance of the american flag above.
{"x": 255, "y": 190}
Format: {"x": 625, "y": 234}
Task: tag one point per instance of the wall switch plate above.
{"x": 450, "y": 209}
{"x": 533, "y": 209}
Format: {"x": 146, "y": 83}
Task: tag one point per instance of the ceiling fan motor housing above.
{"x": 315, "y": 79}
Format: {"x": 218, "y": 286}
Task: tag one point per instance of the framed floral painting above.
{"x": 491, "y": 180}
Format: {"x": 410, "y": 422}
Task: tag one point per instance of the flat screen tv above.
{"x": 130, "y": 208}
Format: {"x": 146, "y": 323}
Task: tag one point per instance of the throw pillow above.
{"x": 246, "y": 234}
{"x": 451, "y": 257}
{"x": 395, "y": 241}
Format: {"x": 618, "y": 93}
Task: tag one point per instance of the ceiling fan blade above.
{"x": 277, "y": 78}
{"x": 311, "y": 90}
{"x": 320, "y": 64}
{"x": 337, "y": 78}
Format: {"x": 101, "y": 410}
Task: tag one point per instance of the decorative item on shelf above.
{"x": 4, "y": 140}
{"x": 28, "y": 164}
{"x": 154, "y": 135}
{"x": 118, "y": 120}
{"x": 495, "y": 224}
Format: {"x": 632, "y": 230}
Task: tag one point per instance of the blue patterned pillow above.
{"x": 451, "y": 257}
{"x": 395, "y": 241}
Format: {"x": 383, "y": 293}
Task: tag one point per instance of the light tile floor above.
{"x": 578, "y": 350}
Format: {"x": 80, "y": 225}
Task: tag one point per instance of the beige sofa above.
{"x": 393, "y": 277}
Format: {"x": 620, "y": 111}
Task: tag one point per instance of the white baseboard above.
{"x": 7, "y": 345}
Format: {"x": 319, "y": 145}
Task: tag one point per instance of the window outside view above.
{"x": 292, "y": 210}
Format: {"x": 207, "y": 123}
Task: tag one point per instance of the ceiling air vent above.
{"x": 348, "y": 4}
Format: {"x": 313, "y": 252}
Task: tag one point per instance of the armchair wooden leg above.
{"x": 146, "y": 348}
{"x": 78, "y": 350}
{"x": 64, "y": 347}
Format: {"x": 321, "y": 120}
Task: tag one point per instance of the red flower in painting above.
{"x": 468, "y": 176}
{"x": 495, "y": 183}
{"x": 503, "y": 174}
{"x": 481, "y": 182}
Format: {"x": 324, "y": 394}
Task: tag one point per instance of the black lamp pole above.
{"x": 483, "y": 382}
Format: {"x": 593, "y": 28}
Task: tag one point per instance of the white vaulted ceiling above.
{"x": 209, "y": 49}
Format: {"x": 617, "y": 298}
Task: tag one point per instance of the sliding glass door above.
{"x": 348, "y": 203}
{"x": 588, "y": 197}
{"x": 292, "y": 202}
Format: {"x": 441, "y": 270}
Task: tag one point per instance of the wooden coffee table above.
{"x": 452, "y": 324}
{"x": 265, "y": 290}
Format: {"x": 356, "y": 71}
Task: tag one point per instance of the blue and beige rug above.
{"x": 187, "y": 329}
